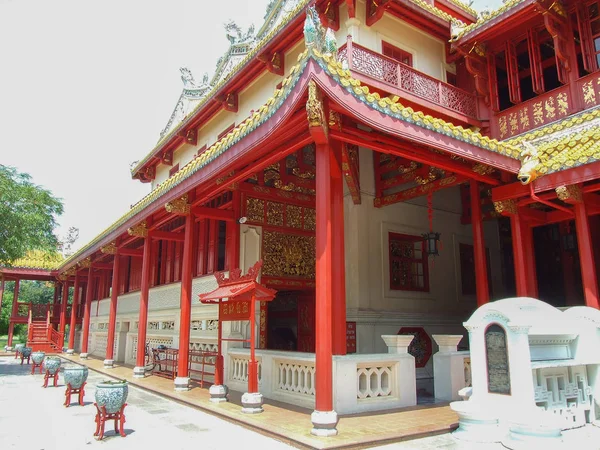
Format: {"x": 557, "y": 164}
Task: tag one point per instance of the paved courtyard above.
{"x": 33, "y": 418}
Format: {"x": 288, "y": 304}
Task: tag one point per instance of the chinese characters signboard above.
{"x": 234, "y": 310}
{"x": 350, "y": 337}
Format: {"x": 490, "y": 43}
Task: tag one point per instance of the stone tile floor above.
{"x": 34, "y": 418}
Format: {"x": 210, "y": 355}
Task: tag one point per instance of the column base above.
{"x": 70, "y": 351}
{"x": 139, "y": 372}
{"x": 8, "y": 349}
{"x": 218, "y": 393}
{"x": 252, "y": 403}
{"x": 324, "y": 423}
{"x": 83, "y": 356}
{"x": 109, "y": 363}
{"x": 182, "y": 384}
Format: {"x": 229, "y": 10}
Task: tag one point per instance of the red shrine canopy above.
{"x": 238, "y": 287}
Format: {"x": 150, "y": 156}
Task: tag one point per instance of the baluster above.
{"x": 349, "y": 51}
{"x": 440, "y": 94}
{"x": 398, "y": 69}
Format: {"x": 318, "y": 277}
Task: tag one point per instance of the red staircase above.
{"x": 40, "y": 334}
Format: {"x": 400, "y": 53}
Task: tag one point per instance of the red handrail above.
{"x": 406, "y": 78}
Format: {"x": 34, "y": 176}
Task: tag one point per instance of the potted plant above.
{"x": 75, "y": 376}
{"x": 112, "y": 394}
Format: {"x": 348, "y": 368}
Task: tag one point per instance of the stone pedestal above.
{"x": 139, "y": 372}
{"x": 70, "y": 351}
{"x": 252, "y": 403}
{"x": 109, "y": 363}
{"x": 397, "y": 343}
{"x": 534, "y": 431}
{"x": 448, "y": 367}
{"x": 83, "y": 356}
{"x": 182, "y": 384}
{"x": 324, "y": 423}
{"x": 476, "y": 424}
{"x": 218, "y": 393}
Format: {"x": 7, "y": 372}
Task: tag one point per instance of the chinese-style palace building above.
{"x": 393, "y": 163}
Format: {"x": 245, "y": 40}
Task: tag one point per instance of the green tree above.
{"x": 27, "y": 216}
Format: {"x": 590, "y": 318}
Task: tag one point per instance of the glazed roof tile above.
{"x": 37, "y": 259}
{"x": 344, "y": 78}
{"x": 486, "y": 18}
{"x": 568, "y": 143}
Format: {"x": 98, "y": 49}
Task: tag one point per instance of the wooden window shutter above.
{"x": 585, "y": 35}
{"x": 535, "y": 61}
{"x": 512, "y": 66}
{"x": 493, "y": 82}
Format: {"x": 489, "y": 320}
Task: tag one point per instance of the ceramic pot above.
{"x": 37, "y": 357}
{"x": 19, "y": 347}
{"x": 75, "y": 376}
{"x": 26, "y": 352}
{"x": 51, "y": 364}
{"x": 112, "y": 395}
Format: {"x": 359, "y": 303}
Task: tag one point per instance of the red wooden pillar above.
{"x": 112, "y": 315}
{"x": 182, "y": 382}
{"x": 63, "y": 310}
{"x": 74, "y": 305}
{"x": 520, "y": 260}
{"x": 339, "y": 260}
{"x": 86, "y": 314}
{"x": 529, "y": 249}
{"x": 1, "y": 290}
{"x": 324, "y": 418}
{"x": 481, "y": 277}
{"x": 139, "y": 369}
{"x": 586, "y": 255}
{"x": 14, "y": 309}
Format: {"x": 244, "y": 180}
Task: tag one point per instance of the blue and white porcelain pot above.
{"x": 51, "y": 364}
{"x": 26, "y": 351}
{"x": 75, "y": 376}
{"x": 37, "y": 357}
{"x": 19, "y": 348}
{"x": 112, "y": 395}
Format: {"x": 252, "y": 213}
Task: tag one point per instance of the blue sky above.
{"x": 87, "y": 85}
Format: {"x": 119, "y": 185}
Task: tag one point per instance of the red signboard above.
{"x": 234, "y": 310}
{"x": 350, "y": 337}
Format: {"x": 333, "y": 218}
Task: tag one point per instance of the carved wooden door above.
{"x": 306, "y": 323}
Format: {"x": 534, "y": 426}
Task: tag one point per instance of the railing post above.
{"x": 349, "y": 51}
{"x": 440, "y": 93}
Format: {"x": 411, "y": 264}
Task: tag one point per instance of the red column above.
{"x": 1, "y": 290}
{"x": 112, "y": 315}
{"x": 55, "y": 299}
{"x": 73, "y": 323}
{"x": 86, "y": 313}
{"x": 520, "y": 260}
{"x": 531, "y": 273}
{"x": 182, "y": 381}
{"x": 252, "y": 364}
{"x": 63, "y": 309}
{"x": 324, "y": 281}
{"x": 481, "y": 277}
{"x": 11, "y": 325}
{"x": 339, "y": 263}
{"x": 139, "y": 369}
{"x": 586, "y": 255}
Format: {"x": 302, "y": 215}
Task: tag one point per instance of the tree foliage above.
{"x": 27, "y": 215}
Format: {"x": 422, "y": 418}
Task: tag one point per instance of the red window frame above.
{"x": 414, "y": 262}
{"x": 397, "y": 54}
{"x": 594, "y": 21}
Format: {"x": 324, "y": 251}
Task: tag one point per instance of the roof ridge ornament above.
{"x": 235, "y": 275}
{"x": 316, "y": 36}
{"x": 530, "y": 160}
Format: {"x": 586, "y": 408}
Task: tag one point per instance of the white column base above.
{"x": 83, "y": 356}
{"x": 182, "y": 384}
{"x": 139, "y": 372}
{"x": 252, "y": 403}
{"x": 70, "y": 351}
{"x": 476, "y": 423}
{"x": 109, "y": 363}
{"x": 8, "y": 349}
{"x": 218, "y": 393}
{"x": 324, "y": 423}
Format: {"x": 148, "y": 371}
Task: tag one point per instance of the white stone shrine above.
{"x": 535, "y": 372}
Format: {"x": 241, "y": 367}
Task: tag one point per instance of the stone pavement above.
{"x": 34, "y": 418}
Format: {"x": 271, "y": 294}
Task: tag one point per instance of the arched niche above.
{"x": 496, "y": 353}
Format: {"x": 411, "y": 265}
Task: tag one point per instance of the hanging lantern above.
{"x": 569, "y": 239}
{"x": 432, "y": 238}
